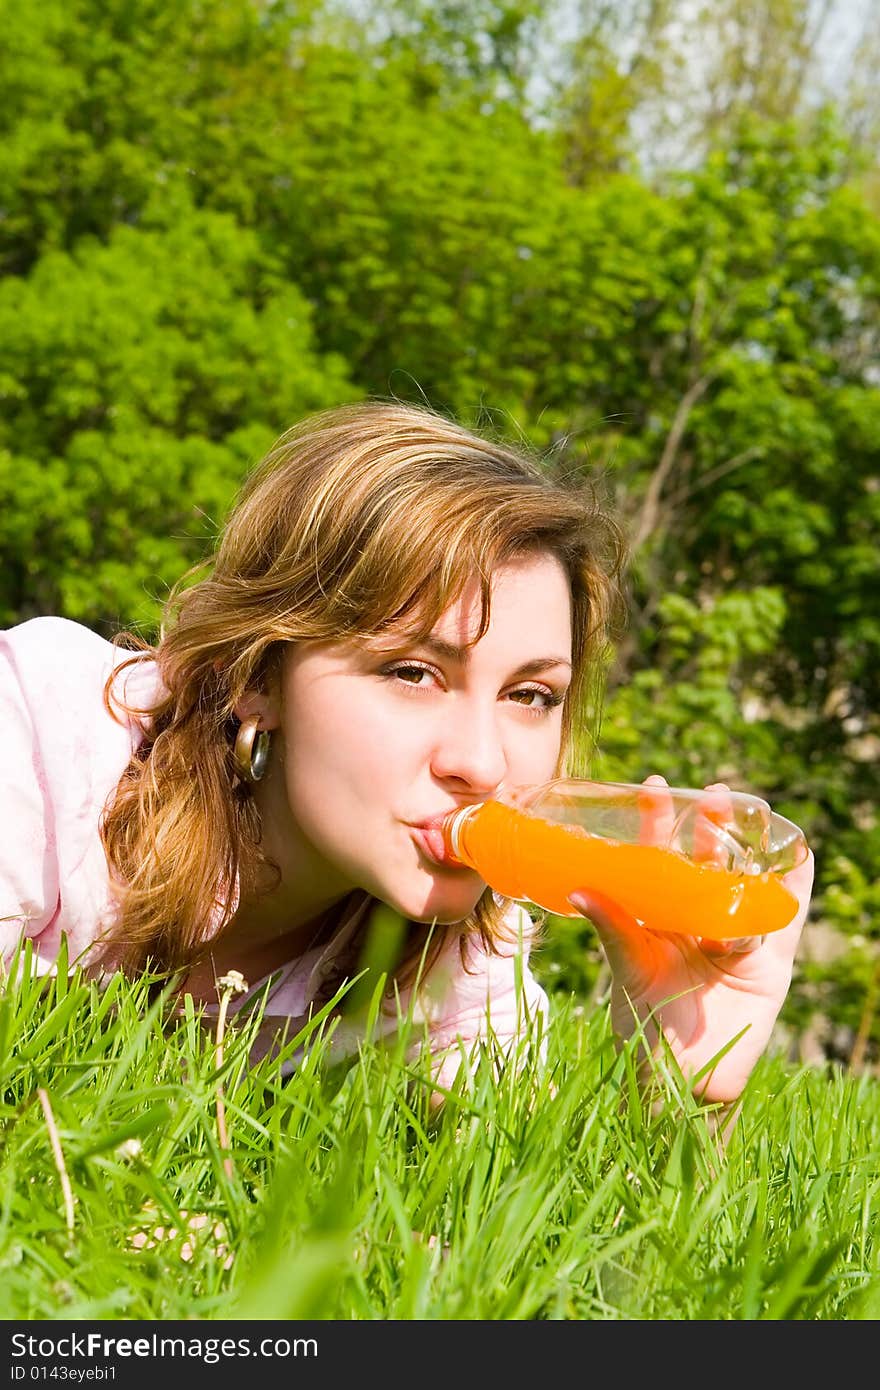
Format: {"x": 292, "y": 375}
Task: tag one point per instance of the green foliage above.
{"x": 141, "y": 378}
{"x": 683, "y": 717}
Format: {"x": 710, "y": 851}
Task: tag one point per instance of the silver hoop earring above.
{"x": 251, "y": 750}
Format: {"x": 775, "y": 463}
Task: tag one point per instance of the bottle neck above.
{"x": 452, "y": 830}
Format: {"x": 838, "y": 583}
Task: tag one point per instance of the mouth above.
{"x": 428, "y": 836}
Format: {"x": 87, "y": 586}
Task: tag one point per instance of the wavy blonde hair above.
{"x": 362, "y": 519}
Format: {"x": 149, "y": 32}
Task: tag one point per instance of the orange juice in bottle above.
{"x": 570, "y": 835}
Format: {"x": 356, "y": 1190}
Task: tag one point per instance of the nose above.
{"x": 469, "y": 749}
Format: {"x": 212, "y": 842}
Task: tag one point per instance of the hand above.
{"x": 700, "y": 992}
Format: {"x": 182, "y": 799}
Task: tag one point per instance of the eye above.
{"x": 415, "y": 676}
{"x": 528, "y": 696}
{"x": 409, "y": 673}
{"x": 537, "y": 699}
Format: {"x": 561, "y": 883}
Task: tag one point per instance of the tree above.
{"x": 656, "y": 84}
{"x": 140, "y": 380}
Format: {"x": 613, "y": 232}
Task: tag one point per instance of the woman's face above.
{"x": 372, "y": 742}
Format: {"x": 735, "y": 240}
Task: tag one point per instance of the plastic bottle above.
{"x": 677, "y": 859}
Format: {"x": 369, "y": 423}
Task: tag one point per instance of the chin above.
{"x": 443, "y": 909}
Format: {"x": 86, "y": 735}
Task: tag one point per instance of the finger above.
{"x": 606, "y": 915}
{"x": 656, "y": 811}
{"x": 715, "y": 808}
{"x": 617, "y": 930}
{"x": 630, "y": 950}
{"x": 740, "y": 946}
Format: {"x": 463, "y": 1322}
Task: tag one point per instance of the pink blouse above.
{"x": 61, "y": 756}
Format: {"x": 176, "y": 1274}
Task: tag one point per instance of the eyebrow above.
{"x": 450, "y": 651}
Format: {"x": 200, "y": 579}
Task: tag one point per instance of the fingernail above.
{"x": 745, "y": 945}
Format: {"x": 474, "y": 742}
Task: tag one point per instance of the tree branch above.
{"x": 651, "y": 505}
{"x": 714, "y": 474}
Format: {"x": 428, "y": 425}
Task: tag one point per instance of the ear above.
{"x": 259, "y": 704}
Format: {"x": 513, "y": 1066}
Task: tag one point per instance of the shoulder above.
{"x": 53, "y": 646}
{"x": 55, "y": 669}
{"x": 46, "y": 646}
{"x": 34, "y": 633}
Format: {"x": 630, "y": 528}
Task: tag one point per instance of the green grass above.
{"x": 538, "y": 1192}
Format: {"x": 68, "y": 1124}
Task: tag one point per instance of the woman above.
{"x": 401, "y": 618}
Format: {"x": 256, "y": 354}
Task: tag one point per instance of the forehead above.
{"x": 529, "y": 599}
{"x": 530, "y": 629}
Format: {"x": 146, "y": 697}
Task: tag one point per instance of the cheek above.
{"x": 534, "y": 753}
{"x": 338, "y": 748}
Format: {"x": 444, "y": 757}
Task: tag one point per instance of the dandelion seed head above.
{"x": 234, "y": 981}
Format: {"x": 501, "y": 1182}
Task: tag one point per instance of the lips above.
{"x": 428, "y": 835}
